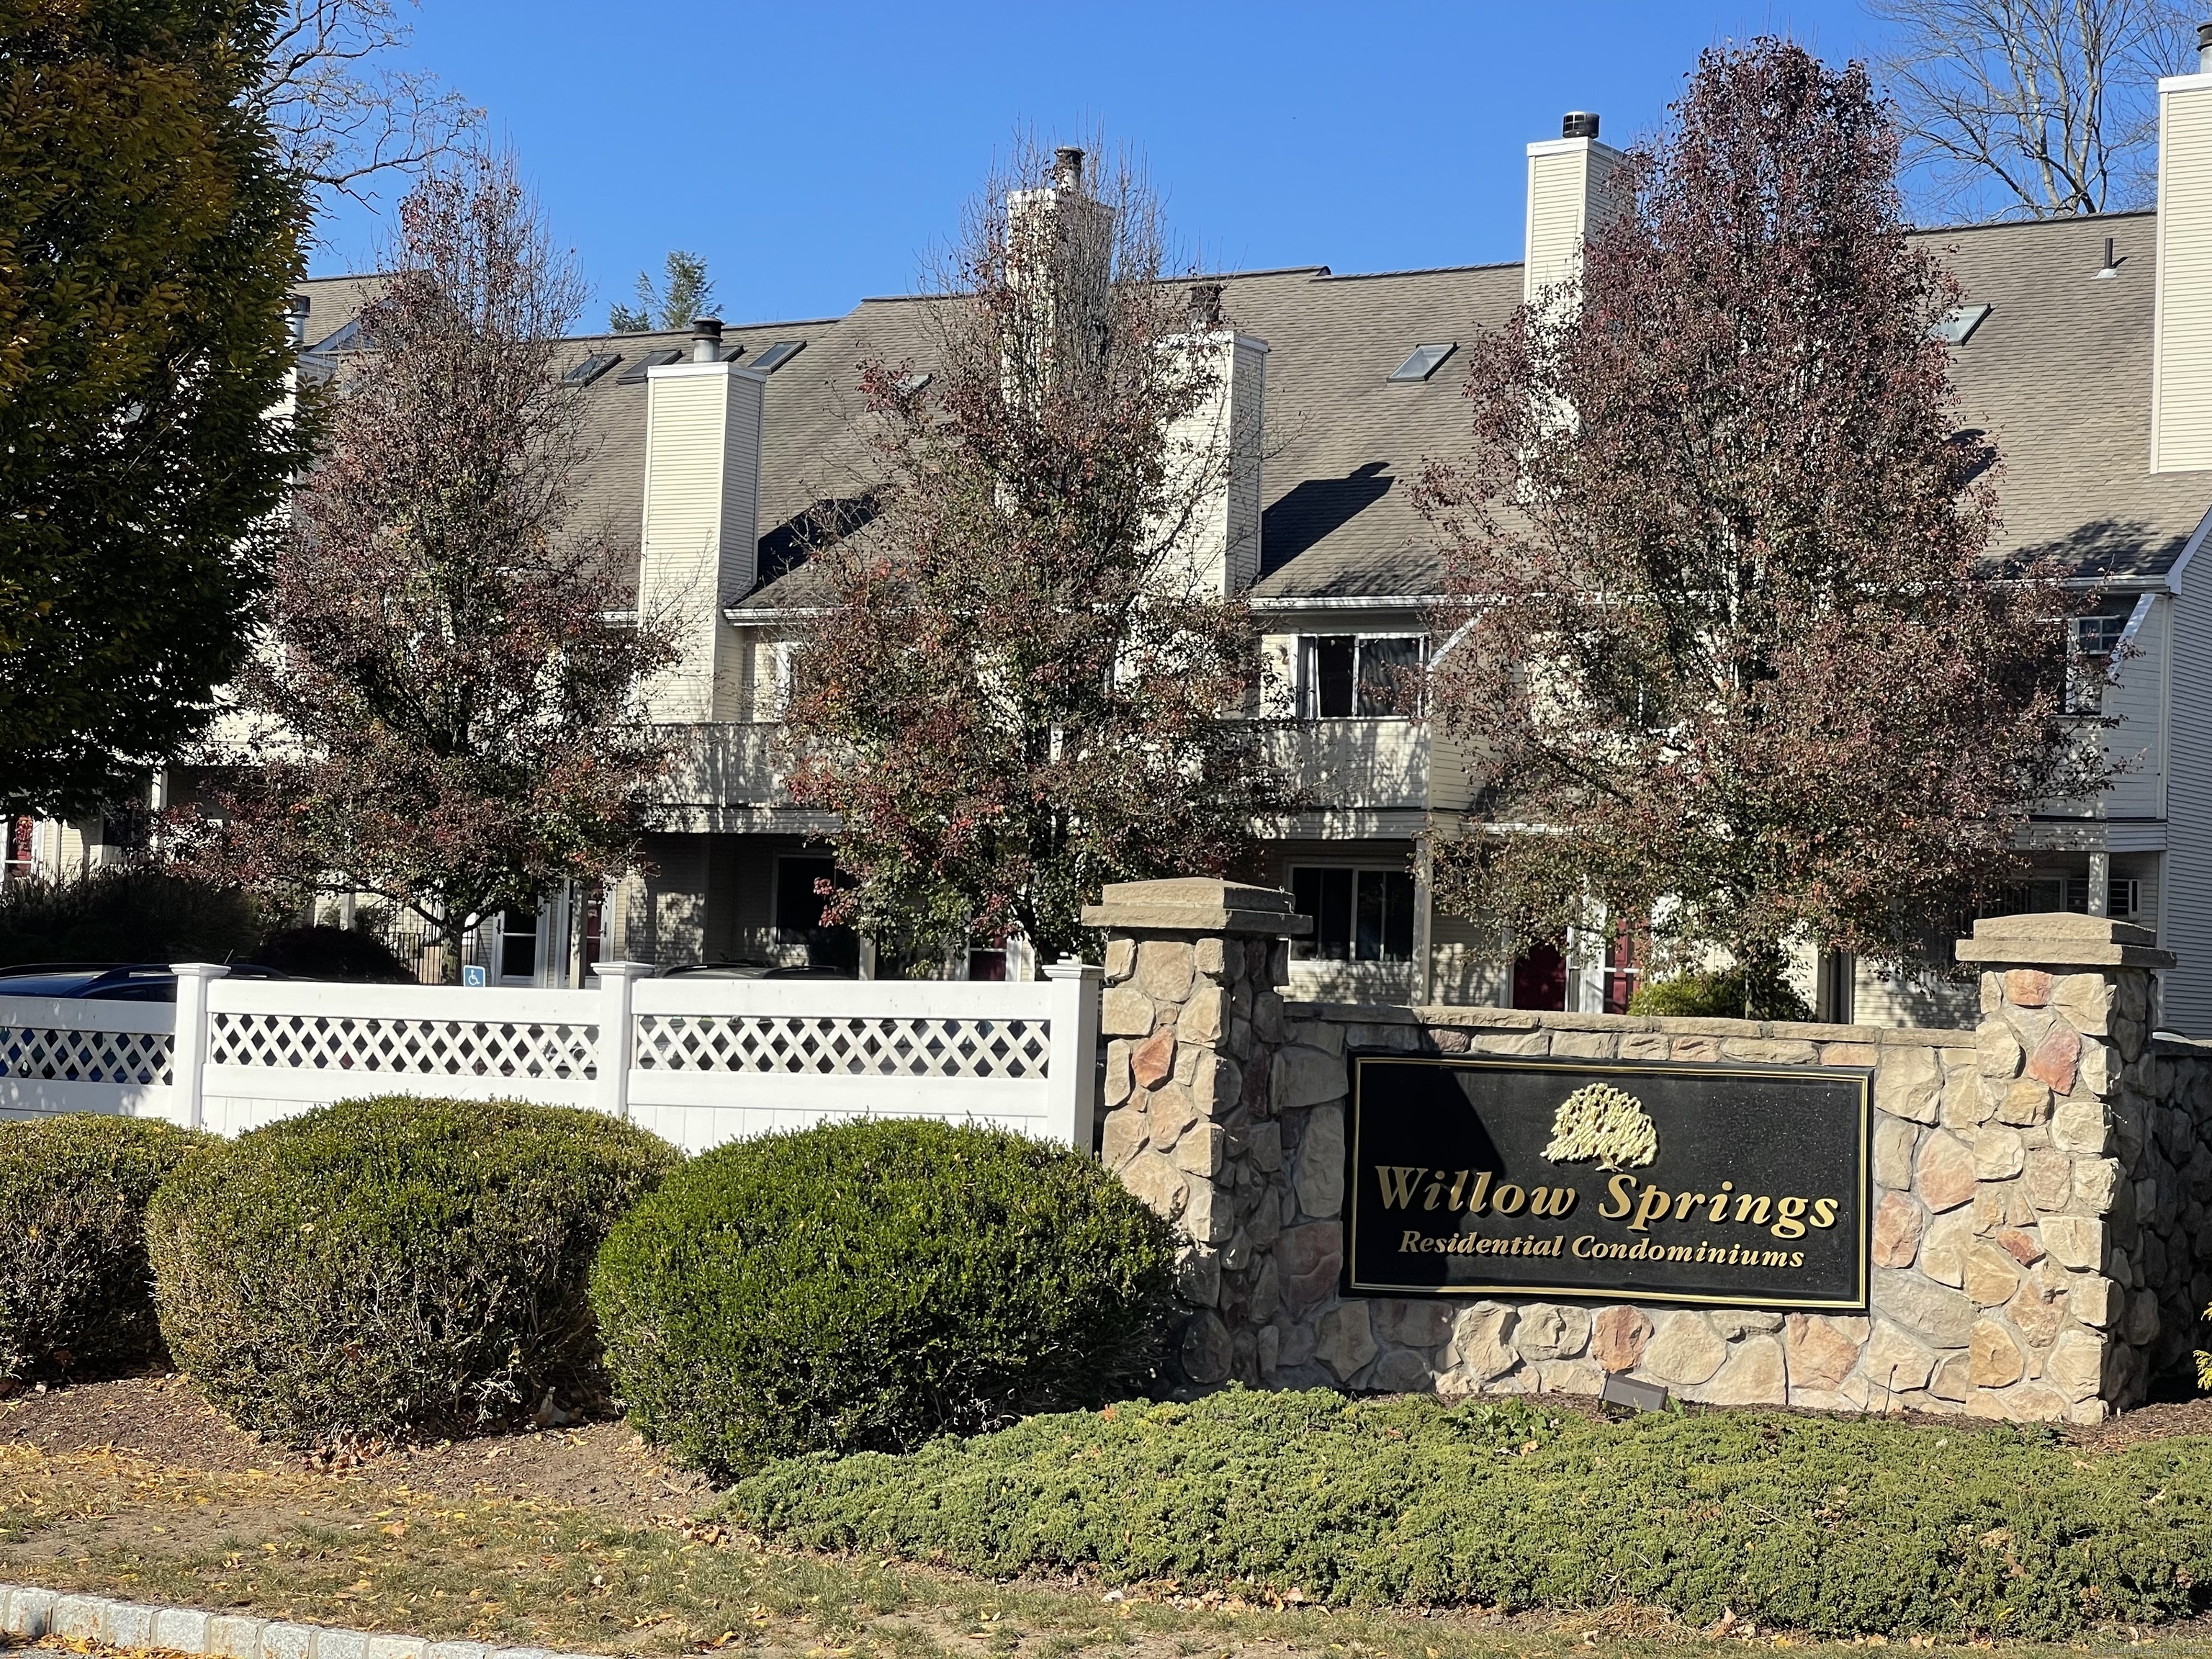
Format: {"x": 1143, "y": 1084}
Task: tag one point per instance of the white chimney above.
{"x": 1213, "y": 456}
{"x": 1059, "y": 248}
{"x": 1571, "y": 196}
{"x": 2181, "y": 348}
{"x": 702, "y": 460}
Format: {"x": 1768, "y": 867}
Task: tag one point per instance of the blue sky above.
{"x": 813, "y": 151}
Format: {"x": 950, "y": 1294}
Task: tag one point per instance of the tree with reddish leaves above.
{"x": 1023, "y": 686}
{"x": 1737, "y": 657}
{"x": 444, "y": 714}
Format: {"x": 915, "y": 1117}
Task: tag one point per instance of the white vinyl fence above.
{"x": 695, "y": 1060}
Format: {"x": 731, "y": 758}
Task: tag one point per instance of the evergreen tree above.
{"x": 149, "y": 234}
{"x": 688, "y": 295}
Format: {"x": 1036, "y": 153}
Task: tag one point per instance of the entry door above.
{"x": 1540, "y": 979}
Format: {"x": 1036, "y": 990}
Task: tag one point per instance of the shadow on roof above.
{"x": 2105, "y": 547}
{"x": 1317, "y": 509}
{"x": 807, "y": 532}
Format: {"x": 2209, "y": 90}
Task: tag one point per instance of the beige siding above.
{"x": 2181, "y": 371}
{"x": 1570, "y": 196}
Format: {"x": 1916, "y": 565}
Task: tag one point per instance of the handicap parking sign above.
{"x": 472, "y": 974}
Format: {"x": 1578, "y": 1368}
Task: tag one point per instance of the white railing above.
{"x": 698, "y": 1061}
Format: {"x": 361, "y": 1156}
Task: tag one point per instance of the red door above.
{"x": 1540, "y": 979}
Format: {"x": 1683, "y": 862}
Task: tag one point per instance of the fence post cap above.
{"x": 623, "y": 970}
{"x": 1074, "y": 968}
{"x": 2063, "y": 938}
{"x": 1197, "y": 904}
{"x": 199, "y": 969}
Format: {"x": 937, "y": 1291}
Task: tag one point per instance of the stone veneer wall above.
{"x": 2040, "y": 1186}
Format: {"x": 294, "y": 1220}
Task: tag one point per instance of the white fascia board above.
{"x": 2173, "y": 578}
{"x": 1351, "y": 602}
{"x": 2185, "y": 82}
{"x": 1571, "y": 147}
{"x": 742, "y": 615}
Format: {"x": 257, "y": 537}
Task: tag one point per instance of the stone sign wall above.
{"x": 2041, "y": 1182}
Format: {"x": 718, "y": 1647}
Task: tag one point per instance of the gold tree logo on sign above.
{"x": 1608, "y": 1124}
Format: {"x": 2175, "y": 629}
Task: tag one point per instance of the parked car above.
{"x": 107, "y": 982}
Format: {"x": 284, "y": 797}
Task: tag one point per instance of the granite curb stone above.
{"x": 29, "y": 1613}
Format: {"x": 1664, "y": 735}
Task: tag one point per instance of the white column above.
{"x": 1074, "y": 1081}
{"x": 188, "y": 1058}
{"x": 617, "y": 1031}
{"x": 2101, "y": 883}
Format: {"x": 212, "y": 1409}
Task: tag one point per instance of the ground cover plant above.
{"x": 869, "y": 1285}
{"x": 394, "y": 1267}
{"x": 1833, "y": 1526}
{"x": 76, "y": 1296}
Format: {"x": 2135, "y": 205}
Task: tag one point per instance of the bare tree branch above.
{"x": 2033, "y": 109}
{"x": 343, "y": 112}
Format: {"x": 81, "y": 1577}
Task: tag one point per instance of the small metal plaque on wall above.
{"x": 1742, "y": 1185}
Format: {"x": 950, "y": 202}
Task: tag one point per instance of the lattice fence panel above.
{"x": 416, "y": 1048}
{"x": 1011, "y": 1049}
{"x": 51, "y": 1055}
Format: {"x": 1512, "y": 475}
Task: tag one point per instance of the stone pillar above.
{"x": 1192, "y": 1019}
{"x": 2075, "y": 1251}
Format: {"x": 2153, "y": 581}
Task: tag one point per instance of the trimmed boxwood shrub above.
{"x": 394, "y": 1267}
{"x": 76, "y": 1297}
{"x": 1719, "y": 995}
{"x": 871, "y": 1284}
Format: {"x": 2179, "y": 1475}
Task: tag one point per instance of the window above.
{"x": 1353, "y": 676}
{"x": 518, "y": 945}
{"x": 798, "y": 907}
{"x": 2097, "y": 639}
{"x": 1425, "y": 360}
{"x": 634, "y": 374}
{"x": 1958, "y": 325}
{"x": 1358, "y": 915}
{"x": 777, "y": 356}
{"x": 591, "y": 368}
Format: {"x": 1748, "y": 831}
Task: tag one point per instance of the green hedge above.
{"x": 873, "y": 1284}
{"x": 1834, "y": 1527}
{"x": 394, "y": 1267}
{"x": 76, "y": 1297}
{"x": 126, "y": 913}
{"x": 1719, "y": 996}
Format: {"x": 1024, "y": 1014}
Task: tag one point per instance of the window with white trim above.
{"x": 1358, "y": 914}
{"x": 1358, "y": 675}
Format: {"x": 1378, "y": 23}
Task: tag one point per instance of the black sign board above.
{"x": 1744, "y": 1185}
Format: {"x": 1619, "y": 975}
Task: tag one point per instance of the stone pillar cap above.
{"x": 2060, "y": 939}
{"x": 1197, "y": 904}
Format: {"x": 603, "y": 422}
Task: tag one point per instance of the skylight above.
{"x": 910, "y": 384}
{"x": 591, "y": 368}
{"x": 636, "y": 372}
{"x": 777, "y": 356}
{"x": 1425, "y": 360}
{"x": 1958, "y": 326}
{"x": 346, "y": 339}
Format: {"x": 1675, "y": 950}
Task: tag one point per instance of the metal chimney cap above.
{"x": 1067, "y": 168}
{"x": 2204, "y": 36}
{"x": 707, "y": 328}
{"x": 1578, "y": 123}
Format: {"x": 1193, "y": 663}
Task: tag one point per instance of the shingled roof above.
{"x": 2059, "y": 373}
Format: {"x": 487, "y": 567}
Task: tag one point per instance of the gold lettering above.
{"x": 1720, "y": 1201}
{"x": 1824, "y": 1212}
{"x": 1796, "y": 1257}
{"x": 1576, "y": 1250}
{"x": 1456, "y": 1186}
{"x": 1411, "y": 1243}
{"x": 1751, "y": 1205}
{"x": 1509, "y": 1200}
{"x": 1436, "y": 1192}
{"x": 1398, "y": 1181}
{"x": 1621, "y": 1188}
{"x": 1552, "y": 1200}
{"x": 1679, "y": 1252}
{"x": 1475, "y": 1199}
{"x": 1651, "y": 1207}
{"x": 1775, "y": 1259}
{"x": 1786, "y": 1224}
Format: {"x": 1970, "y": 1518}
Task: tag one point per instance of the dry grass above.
{"x": 342, "y": 1550}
